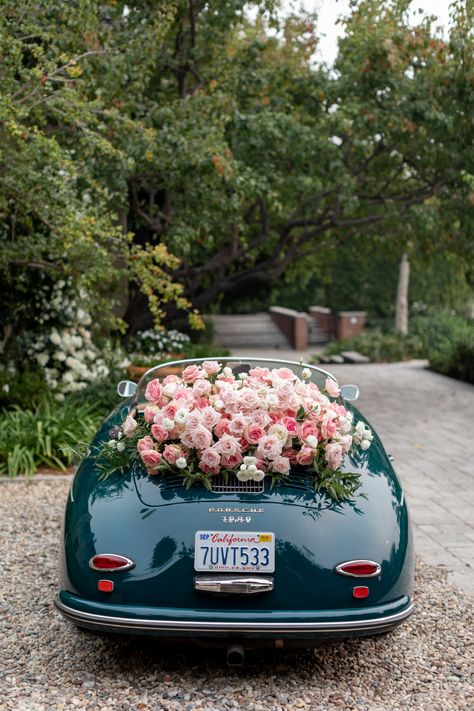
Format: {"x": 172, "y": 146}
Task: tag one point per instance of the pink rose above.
{"x": 284, "y": 373}
{"x": 261, "y": 464}
{"x": 333, "y": 455}
{"x": 145, "y": 443}
{"x": 193, "y": 420}
{"x": 262, "y": 374}
{"x": 254, "y": 433}
{"x": 209, "y": 417}
{"x": 233, "y": 460}
{"x": 170, "y": 410}
{"x": 170, "y": 379}
{"x": 149, "y": 412}
{"x": 210, "y": 457}
{"x": 208, "y": 470}
{"x": 192, "y": 373}
{"x": 291, "y": 425}
{"x": 332, "y": 388}
{"x": 248, "y": 399}
{"x": 346, "y": 442}
{"x": 228, "y": 445}
{"x": 222, "y": 427}
{"x": 328, "y": 425}
{"x": 129, "y": 426}
{"x": 269, "y": 447}
{"x": 281, "y": 465}
{"x": 201, "y": 402}
{"x": 244, "y": 445}
{"x": 159, "y": 433}
{"x": 260, "y": 417}
{"x": 290, "y": 454}
{"x": 237, "y": 425}
{"x": 154, "y": 391}
{"x": 284, "y": 388}
{"x": 202, "y": 387}
{"x": 201, "y": 437}
{"x": 151, "y": 459}
{"x": 211, "y": 367}
{"x": 172, "y": 452}
{"x": 187, "y": 438}
{"x": 308, "y": 428}
{"x": 305, "y": 456}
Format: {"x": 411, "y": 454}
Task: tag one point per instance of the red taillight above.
{"x": 359, "y": 569}
{"x": 105, "y": 585}
{"x": 110, "y": 562}
{"x": 360, "y": 591}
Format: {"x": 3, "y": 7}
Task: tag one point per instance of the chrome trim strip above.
{"x": 191, "y": 626}
{"x": 338, "y": 569}
{"x": 130, "y": 564}
{"x": 238, "y": 585}
{"x": 228, "y": 359}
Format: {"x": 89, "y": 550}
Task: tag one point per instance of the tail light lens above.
{"x": 359, "y": 569}
{"x": 110, "y": 562}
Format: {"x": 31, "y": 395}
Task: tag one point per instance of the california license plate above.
{"x": 234, "y": 551}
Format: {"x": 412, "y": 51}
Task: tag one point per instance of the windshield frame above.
{"x": 224, "y": 359}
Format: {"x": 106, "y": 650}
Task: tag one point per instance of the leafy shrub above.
{"x": 25, "y": 389}
{"x": 381, "y": 346}
{"x": 45, "y": 436}
{"x": 455, "y": 356}
{"x": 101, "y": 395}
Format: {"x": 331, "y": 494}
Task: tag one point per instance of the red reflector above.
{"x": 110, "y": 561}
{"x": 359, "y": 568}
{"x": 105, "y": 585}
{"x": 360, "y": 591}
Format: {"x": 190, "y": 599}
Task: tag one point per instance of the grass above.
{"x": 45, "y": 436}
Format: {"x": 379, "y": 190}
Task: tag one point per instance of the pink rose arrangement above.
{"x": 252, "y": 425}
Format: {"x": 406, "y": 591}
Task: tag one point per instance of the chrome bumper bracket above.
{"x": 234, "y": 585}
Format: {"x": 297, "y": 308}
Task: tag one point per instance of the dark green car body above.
{"x": 153, "y": 521}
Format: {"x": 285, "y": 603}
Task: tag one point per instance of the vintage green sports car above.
{"x": 242, "y": 564}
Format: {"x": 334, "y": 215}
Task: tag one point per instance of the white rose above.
{"x": 120, "y": 446}
{"x": 243, "y": 475}
{"x": 181, "y": 463}
{"x": 259, "y": 475}
{"x": 170, "y": 389}
{"x": 312, "y": 441}
{"x": 55, "y": 338}
{"x": 365, "y": 444}
{"x": 167, "y": 423}
{"x": 248, "y": 461}
{"x": 279, "y": 431}
{"x": 181, "y": 416}
{"x": 306, "y": 373}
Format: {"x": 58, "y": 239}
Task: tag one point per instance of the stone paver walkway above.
{"x": 425, "y": 421}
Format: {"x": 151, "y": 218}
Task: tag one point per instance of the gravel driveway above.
{"x": 46, "y": 664}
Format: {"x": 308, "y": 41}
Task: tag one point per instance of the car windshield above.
{"x": 237, "y": 364}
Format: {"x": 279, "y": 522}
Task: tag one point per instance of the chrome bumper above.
{"x": 128, "y": 624}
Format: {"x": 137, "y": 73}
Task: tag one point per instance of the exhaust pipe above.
{"x": 235, "y": 656}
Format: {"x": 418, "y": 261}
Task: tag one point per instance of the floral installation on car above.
{"x": 253, "y": 425}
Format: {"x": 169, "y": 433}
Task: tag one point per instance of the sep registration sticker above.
{"x": 234, "y": 551}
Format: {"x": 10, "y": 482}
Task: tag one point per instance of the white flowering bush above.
{"x": 64, "y": 349}
{"x": 159, "y": 344}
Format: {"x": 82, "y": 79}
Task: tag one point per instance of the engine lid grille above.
{"x": 232, "y": 485}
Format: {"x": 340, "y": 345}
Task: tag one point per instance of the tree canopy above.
{"x": 203, "y": 152}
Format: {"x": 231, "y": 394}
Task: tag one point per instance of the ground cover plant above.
{"x": 46, "y": 436}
